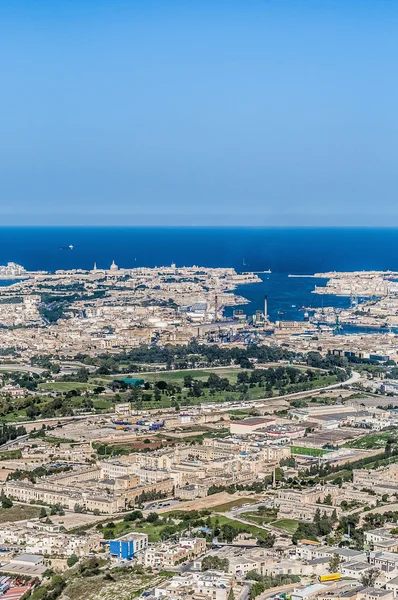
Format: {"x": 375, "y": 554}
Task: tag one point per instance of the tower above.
{"x": 216, "y": 308}
{"x": 265, "y": 307}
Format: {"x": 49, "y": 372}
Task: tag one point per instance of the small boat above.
{"x": 70, "y": 247}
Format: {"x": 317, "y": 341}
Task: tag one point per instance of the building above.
{"x": 312, "y": 591}
{"x": 303, "y": 504}
{"x": 249, "y": 426}
{"x": 127, "y": 546}
{"x": 213, "y": 585}
{"x": 381, "y": 540}
{"x": 169, "y": 554}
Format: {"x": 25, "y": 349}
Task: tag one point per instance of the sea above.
{"x": 294, "y": 251}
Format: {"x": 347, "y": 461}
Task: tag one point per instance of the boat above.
{"x": 70, "y": 247}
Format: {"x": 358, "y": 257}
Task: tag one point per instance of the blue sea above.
{"x": 283, "y": 250}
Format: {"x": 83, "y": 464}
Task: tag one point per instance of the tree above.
{"x": 43, "y": 513}
{"x": 214, "y": 562}
{"x": 6, "y": 502}
{"x": 161, "y": 385}
{"x": 231, "y": 595}
{"x": 152, "y": 517}
{"x": 334, "y": 563}
{"x": 133, "y": 516}
{"x": 368, "y": 579}
{"x": 72, "y": 560}
{"x": 254, "y": 576}
{"x": 256, "y": 589}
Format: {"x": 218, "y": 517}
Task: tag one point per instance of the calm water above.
{"x": 283, "y": 250}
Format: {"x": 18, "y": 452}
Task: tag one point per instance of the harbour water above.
{"x": 283, "y": 250}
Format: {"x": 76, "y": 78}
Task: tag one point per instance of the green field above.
{"x": 65, "y": 386}
{"x": 288, "y": 525}
{"x": 154, "y": 532}
{"x": 173, "y": 396}
{"x": 373, "y": 441}
{"x": 308, "y": 451}
{"x": 229, "y": 505}
{"x": 177, "y": 377}
{"x": 10, "y": 454}
{"x": 259, "y": 518}
{"x": 240, "y": 527}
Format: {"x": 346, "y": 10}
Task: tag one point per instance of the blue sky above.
{"x": 265, "y": 112}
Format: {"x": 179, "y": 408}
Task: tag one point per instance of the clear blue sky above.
{"x": 199, "y": 112}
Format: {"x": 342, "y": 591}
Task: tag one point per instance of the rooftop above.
{"x": 253, "y": 421}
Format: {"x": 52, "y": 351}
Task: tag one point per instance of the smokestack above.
{"x": 265, "y": 307}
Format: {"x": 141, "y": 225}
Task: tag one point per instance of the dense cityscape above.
{"x": 153, "y": 446}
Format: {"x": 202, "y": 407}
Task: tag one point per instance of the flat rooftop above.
{"x": 253, "y": 421}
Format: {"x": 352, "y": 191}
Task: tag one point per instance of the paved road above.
{"x": 288, "y": 589}
{"x": 254, "y": 506}
{"x": 355, "y": 377}
{"x": 378, "y": 510}
{"x": 21, "y": 438}
{"x": 244, "y": 595}
{"x": 22, "y": 368}
{"x": 268, "y": 528}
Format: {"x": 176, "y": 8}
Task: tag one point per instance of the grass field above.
{"x": 256, "y": 517}
{"x": 10, "y": 454}
{"x": 342, "y": 473}
{"x": 177, "y": 377}
{"x": 308, "y": 451}
{"x": 288, "y": 525}
{"x": 153, "y": 531}
{"x": 229, "y": 505}
{"x": 373, "y": 441}
{"x": 240, "y": 527}
{"x": 65, "y": 386}
{"x": 18, "y": 512}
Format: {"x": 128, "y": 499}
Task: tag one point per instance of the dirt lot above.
{"x": 72, "y": 519}
{"x": 202, "y": 503}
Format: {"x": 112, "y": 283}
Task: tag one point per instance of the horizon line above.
{"x": 188, "y": 226}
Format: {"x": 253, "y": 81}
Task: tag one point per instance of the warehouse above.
{"x": 248, "y": 426}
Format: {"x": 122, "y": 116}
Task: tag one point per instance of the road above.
{"x": 355, "y": 377}
{"x": 21, "y": 438}
{"x": 378, "y": 510}
{"x": 244, "y": 595}
{"x": 268, "y": 528}
{"x": 287, "y": 589}
{"x": 255, "y": 506}
{"x": 22, "y": 368}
